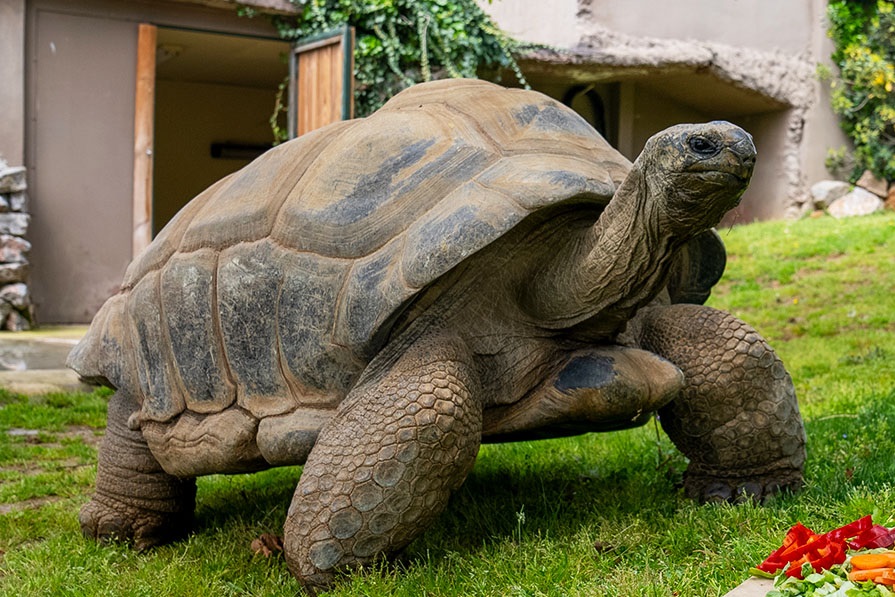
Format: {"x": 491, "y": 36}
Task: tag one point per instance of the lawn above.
{"x": 600, "y": 514}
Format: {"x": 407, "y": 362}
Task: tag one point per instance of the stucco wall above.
{"x": 12, "y": 81}
{"x": 786, "y": 25}
{"x": 553, "y": 22}
{"x": 766, "y": 25}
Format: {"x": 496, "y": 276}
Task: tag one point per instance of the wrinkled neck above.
{"x": 617, "y": 266}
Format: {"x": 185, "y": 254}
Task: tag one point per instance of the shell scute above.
{"x": 311, "y": 286}
{"x": 162, "y": 398}
{"x": 464, "y": 222}
{"x": 248, "y": 285}
{"x": 167, "y": 241}
{"x": 188, "y": 299}
{"x": 372, "y": 296}
{"x": 369, "y": 182}
{"x": 533, "y": 183}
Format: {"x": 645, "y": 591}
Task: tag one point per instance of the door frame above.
{"x": 144, "y": 120}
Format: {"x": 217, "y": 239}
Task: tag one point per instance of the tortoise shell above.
{"x": 274, "y": 288}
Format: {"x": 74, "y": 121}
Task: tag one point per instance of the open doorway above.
{"x": 214, "y": 95}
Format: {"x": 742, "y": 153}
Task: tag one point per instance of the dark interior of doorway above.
{"x": 214, "y": 96}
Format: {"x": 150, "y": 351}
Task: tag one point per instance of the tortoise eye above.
{"x": 702, "y": 145}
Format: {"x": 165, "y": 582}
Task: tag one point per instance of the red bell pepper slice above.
{"x": 875, "y": 536}
{"x": 801, "y": 545}
{"x": 797, "y": 536}
{"x": 852, "y": 529}
{"x": 828, "y": 556}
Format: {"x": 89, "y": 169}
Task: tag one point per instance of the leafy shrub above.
{"x": 864, "y": 34}
{"x": 402, "y": 42}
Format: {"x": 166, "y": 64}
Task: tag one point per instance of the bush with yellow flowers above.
{"x": 864, "y": 34}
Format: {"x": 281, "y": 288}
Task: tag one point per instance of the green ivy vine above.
{"x": 402, "y": 42}
{"x": 863, "y": 94}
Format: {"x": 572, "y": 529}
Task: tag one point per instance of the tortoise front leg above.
{"x": 737, "y": 418}
{"x": 135, "y": 500}
{"x": 384, "y": 466}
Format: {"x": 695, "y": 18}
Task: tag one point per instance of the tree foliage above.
{"x": 864, "y": 35}
{"x": 402, "y": 42}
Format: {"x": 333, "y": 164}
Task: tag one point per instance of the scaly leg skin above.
{"x": 135, "y": 501}
{"x": 737, "y": 418}
{"x": 384, "y": 466}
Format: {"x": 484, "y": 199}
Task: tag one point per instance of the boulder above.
{"x": 12, "y": 179}
{"x": 14, "y": 223}
{"x": 17, "y": 322}
{"x": 17, "y": 201}
{"x": 13, "y": 249}
{"x": 890, "y": 198}
{"x": 823, "y": 193}
{"x": 13, "y": 272}
{"x": 873, "y": 184}
{"x": 856, "y": 203}
{"x": 15, "y": 295}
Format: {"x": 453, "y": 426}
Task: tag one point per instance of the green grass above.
{"x": 600, "y": 514}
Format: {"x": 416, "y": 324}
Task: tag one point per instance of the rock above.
{"x": 12, "y": 180}
{"x": 873, "y": 184}
{"x": 16, "y": 295}
{"x": 14, "y": 223}
{"x": 825, "y": 192}
{"x": 13, "y": 272}
{"x": 890, "y": 198}
{"x": 17, "y": 322}
{"x": 13, "y": 249}
{"x": 16, "y": 311}
{"x": 17, "y": 201}
{"x": 856, "y": 203}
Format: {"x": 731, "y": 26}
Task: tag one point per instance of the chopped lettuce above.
{"x": 829, "y": 583}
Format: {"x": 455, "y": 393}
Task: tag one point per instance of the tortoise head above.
{"x": 697, "y": 172}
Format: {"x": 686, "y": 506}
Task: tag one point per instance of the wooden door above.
{"x": 321, "y": 81}
{"x": 144, "y": 115}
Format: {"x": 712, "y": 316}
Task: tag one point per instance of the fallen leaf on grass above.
{"x": 267, "y": 544}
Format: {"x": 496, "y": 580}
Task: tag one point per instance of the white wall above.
{"x": 759, "y": 24}
{"x": 548, "y": 22}
{"x": 12, "y": 81}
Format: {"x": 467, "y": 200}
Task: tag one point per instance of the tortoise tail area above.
{"x": 101, "y": 357}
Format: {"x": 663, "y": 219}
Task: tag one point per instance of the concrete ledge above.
{"x": 34, "y": 382}
{"x": 753, "y": 587}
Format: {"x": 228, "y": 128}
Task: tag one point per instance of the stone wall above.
{"x": 16, "y": 311}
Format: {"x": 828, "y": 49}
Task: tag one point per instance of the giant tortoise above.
{"x": 376, "y": 298}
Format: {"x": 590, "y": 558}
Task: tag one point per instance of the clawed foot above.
{"x": 733, "y": 489}
{"x": 109, "y": 521}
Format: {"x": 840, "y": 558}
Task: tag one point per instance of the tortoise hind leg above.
{"x": 135, "y": 500}
{"x": 384, "y": 466}
{"x": 737, "y": 418}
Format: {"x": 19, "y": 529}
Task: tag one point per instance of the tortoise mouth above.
{"x": 725, "y": 178}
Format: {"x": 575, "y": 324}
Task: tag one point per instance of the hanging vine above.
{"x": 402, "y": 42}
